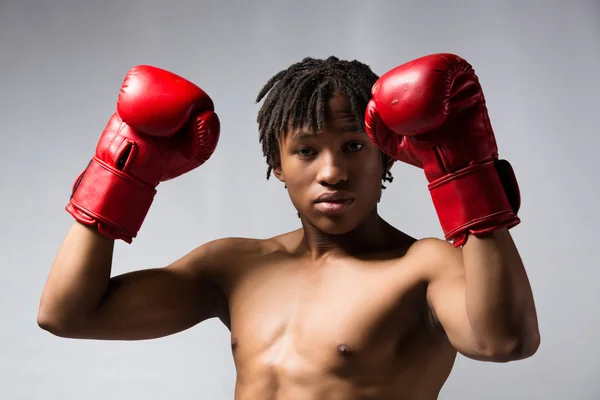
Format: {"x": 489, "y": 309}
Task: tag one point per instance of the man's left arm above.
{"x": 481, "y": 297}
{"x": 431, "y": 113}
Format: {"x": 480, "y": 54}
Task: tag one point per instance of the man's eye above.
{"x": 355, "y": 146}
{"x": 305, "y": 152}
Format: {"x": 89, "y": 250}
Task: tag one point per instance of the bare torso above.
{"x": 341, "y": 328}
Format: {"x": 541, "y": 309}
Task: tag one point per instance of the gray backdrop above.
{"x": 61, "y": 66}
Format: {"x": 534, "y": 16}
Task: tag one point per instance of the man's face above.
{"x": 333, "y": 178}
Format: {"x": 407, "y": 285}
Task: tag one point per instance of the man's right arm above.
{"x": 163, "y": 126}
{"x": 81, "y": 300}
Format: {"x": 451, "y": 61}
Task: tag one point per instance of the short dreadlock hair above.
{"x": 298, "y": 95}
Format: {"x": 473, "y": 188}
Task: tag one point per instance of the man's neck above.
{"x": 370, "y": 236}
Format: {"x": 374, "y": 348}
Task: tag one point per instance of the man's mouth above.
{"x": 334, "y": 197}
{"x": 334, "y": 202}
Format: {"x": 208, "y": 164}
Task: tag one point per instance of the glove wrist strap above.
{"x": 114, "y": 201}
{"x": 475, "y": 200}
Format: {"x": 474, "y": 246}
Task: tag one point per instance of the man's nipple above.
{"x": 344, "y": 351}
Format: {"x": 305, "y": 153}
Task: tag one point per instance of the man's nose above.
{"x": 333, "y": 169}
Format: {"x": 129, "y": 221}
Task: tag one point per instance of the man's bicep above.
{"x": 447, "y": 298}
{"x": 156, "y": 302}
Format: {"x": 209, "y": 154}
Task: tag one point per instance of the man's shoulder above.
{"x": 421, "y": 248}
{"x": 429, "y": 244}
{"x": 436, "y": 256}
{"x": 229, "y": 251}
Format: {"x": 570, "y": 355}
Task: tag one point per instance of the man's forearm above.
{"x": 499, "y": 300}
{"x": 78, "y": 279}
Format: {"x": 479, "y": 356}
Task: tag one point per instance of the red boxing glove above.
{"x": 164, "y": 127}
{"x": 431, "y": 113}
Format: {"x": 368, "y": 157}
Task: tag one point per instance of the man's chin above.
{"x": 333, "y": 226}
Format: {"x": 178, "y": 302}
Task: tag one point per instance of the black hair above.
{"x": 296, "y": 97}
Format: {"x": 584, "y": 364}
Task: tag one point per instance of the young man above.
{"x": 347, "y": 306}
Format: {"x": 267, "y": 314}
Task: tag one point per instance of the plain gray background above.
{"x": 62, "y": 64}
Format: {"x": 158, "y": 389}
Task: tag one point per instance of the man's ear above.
{"x": 387, "y": 163}
{"x": 277, "y": 171}
{"x": 390, "y": 163}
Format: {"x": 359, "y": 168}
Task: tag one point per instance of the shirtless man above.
{"x": 347, "y": 306}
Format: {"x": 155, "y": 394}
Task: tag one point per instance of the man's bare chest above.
{"x": 334, "y": 317}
